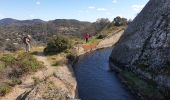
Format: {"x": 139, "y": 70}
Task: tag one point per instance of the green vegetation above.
{"x": 13, "y": 67}
{"x": 59, "y": 63}
{"x": 24, "y": 61}
{"x": 2, "y": 66}
{"x": 17, "y": 81}
{"x": 4, "y": 89}
{"x": 71, "y": 55}
{"x": 145, "y": 89}
{"x": 14, "y": 82}
{"x": 118, "y": 21}
{"x": 57, "y": 44}
{"x": 29, "y": 63}
{"x": 93, "y": 41}
{"x": 8, "y": 59}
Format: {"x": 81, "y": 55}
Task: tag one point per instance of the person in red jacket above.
{"x": 87, "y": 36}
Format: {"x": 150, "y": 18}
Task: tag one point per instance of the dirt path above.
{"x": 110, "y": 41}
{"x": 107, "y": 42}
{"x": 28, "y": 82}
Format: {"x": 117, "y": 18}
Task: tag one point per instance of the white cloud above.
{"x": 101, "y": 9}
{"x": 91, "y": 7}
{"x": 38, "y": 2}
{"x": 114, "y": 1}
{"x": 137, "y": 8}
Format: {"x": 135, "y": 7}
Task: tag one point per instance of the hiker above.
{"x": 87, "y": 36}
{"x": 27, "y": 42}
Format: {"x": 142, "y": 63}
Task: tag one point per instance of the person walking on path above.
{"x": 27, "y": 42}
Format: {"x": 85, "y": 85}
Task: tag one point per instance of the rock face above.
{"x": 145, "y": 45}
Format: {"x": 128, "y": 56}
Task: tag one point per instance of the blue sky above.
{"x": 84, "y": 10}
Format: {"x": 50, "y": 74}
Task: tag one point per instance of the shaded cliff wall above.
{"x": 145, "y": 45}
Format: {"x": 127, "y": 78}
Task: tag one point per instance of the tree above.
{"x": 118, "y": 21}
{"x": 57, "y": 44}
{"x": 101, "y": 23}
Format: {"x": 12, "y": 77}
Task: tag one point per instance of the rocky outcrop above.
{"x": 145, "y": 45}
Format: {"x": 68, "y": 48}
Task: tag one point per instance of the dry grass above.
{"x": 56, "y": 60}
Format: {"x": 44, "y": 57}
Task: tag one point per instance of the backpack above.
{"x": 24, "y": 39}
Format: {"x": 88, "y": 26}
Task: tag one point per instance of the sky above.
{"x": 84, "y": 10}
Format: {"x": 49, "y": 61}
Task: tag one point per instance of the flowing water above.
{"x": 95, "y": 82}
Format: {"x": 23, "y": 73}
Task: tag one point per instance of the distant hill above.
{"x": 12, "y": 30}
{"x": 8, "y": 21}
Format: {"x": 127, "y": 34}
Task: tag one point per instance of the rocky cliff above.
{"x": 145, "y": 45}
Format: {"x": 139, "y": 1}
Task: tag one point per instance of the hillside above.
{"x": 144, "y": 47}
{"x": 12, "y": 31}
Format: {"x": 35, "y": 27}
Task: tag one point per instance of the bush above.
{"x": 23, "y": 64}
{"x": 59, "y": 63}
{"x": 8, "y": 59}
{"x": 2, "y": 66}
{"x": 57, "y": 44}
{"x": 5, "y": 89}
{"x": 15, "y": 82}
{"x": 29, "y": 63}
{"x": 71, "y": 56}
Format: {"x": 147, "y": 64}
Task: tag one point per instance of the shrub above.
{"x": 2, "y": 66}
{"x": 57, "y": 44}
{"x": 8, "y": 59}
{"x": 71, "y": 56}
{"x": 28, "y": 63}
{"x": 4, "y": 89}
{"x": 15, "y": 82}
{"x": 59, "y": 63}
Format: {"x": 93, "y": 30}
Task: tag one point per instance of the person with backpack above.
{"x": 27, "y": 42}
